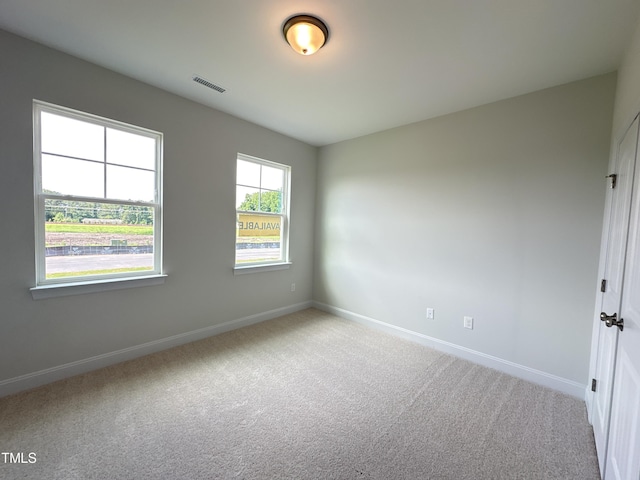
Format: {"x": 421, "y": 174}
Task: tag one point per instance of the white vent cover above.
{"x": 207, "y": 83}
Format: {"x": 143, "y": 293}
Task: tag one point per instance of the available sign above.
{"x": 252, "y": 225}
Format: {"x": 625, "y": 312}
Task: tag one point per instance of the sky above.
{"x": 253, "y": 177}
{"x": 86, "y": 159}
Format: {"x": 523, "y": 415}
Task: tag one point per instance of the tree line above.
{"x": 66, "y": 211}
{"x": 266, "y": 201}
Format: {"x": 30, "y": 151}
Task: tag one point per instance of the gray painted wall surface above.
{"x": 627, "y": 106}
{"x": 493, "y": 212}
{"x": 200, "y": 147}
{"x": 627, "y": 103}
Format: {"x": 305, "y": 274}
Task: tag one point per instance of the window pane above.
{"x": 126, "y": 148}
{"x": 272, "y": 178}
{"x": 125, "y": 183}
{"x": 84, "y": 238}
{"x": 72, "y": 177}
{"x": 270, "y": 201}
{"x": 247, "y": 198}
{"x": 248, "y": 174}
{"x": 74, "y": 138}
{"x": 258, "y": 238}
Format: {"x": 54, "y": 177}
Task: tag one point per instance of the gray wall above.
{"x": 199, "y": 220}
{"x": 493, "y": 212}
{"x": 627, "y": 106}
{"x": 627, "y": 103}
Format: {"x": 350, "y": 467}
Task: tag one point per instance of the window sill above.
{"x": 79, "y": 288}
{"x": 269, "y": 267}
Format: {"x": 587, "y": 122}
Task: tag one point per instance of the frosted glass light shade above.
{"x": 305, "y": 34}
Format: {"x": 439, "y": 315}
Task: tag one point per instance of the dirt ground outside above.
{"x": 57, "y": 239}
{"x": 86, "y": 239}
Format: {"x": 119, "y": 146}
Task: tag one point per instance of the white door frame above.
{"x": 612, "y": 261}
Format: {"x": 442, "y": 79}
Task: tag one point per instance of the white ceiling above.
{"x": 387, "y": 63}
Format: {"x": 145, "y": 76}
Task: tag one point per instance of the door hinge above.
{"x": 593, "y": 384}
{"x": 613, "y": 178}
{"x": 603, "y": 285}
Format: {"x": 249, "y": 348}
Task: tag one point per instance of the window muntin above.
{"x": 98, "y": 193}
{"x": 262, "y": 210}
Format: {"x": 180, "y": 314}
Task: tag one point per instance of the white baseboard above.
{"x": 42, "y": 377}
{"x": 563, "y": 385}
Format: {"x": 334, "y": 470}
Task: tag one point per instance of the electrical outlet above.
{"x": 468, "y": 322}
{"x": 293, "y": 287}
{"x": 430, "y": 313}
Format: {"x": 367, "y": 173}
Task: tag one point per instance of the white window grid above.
{"x": 40, "y": 197}
{"x": 284, "y": 211}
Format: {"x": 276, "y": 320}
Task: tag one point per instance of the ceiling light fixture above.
{"x": 305, "y": 34}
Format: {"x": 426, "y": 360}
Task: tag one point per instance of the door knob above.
{"x": 612, "y": 320}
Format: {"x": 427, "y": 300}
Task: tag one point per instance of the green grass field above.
{"x": 108, "y": 229}
{"x": 96, "y": 272}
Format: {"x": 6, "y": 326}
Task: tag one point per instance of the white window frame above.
{"x": 284, "y": 261}
{"x": 102, "y": 281}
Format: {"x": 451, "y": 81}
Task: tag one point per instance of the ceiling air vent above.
{"x": 207, "y": 83}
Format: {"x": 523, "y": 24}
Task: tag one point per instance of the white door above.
{"x": 623, "y": 456}
{"x": 619, "y": 204}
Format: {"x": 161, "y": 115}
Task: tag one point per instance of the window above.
{"x": 98, "y": 198}
{"x": 262, "y": 212}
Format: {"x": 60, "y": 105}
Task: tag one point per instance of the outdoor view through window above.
{"x": 97, "y": 186}
{"x": 262, "y": 193}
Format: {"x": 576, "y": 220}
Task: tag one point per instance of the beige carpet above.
{"x": 305, "y": 396}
